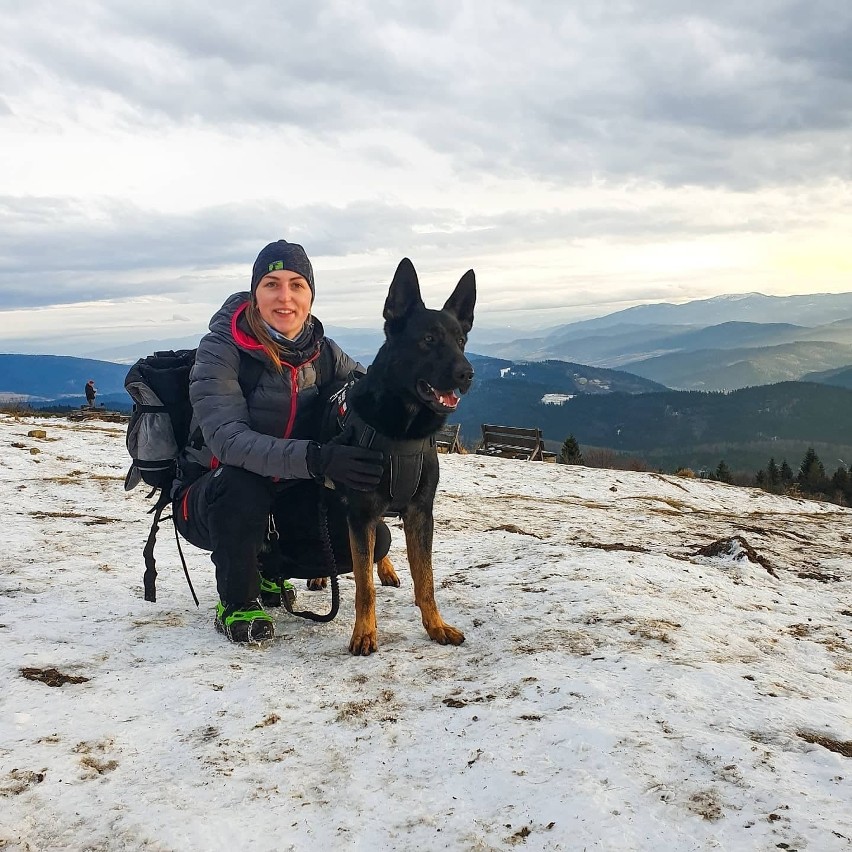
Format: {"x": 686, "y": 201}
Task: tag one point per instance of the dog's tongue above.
{"x": 449, "y": 398}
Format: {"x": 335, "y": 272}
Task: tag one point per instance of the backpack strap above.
{"x": 248, "y": 375}
{"x": 250, "y": 371}
{"x": 149, "y": 578}
{"x": 324, "y": 364}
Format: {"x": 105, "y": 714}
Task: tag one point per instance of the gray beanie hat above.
{"x": 282, "y": 255}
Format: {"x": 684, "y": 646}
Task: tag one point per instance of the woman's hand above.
{"x": 355, "y": 467}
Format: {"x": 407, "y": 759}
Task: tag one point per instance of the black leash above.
{"x": 183, "y": 561}
{"x": 331, "y": 564}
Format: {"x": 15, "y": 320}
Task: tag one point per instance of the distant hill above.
{"x": 56, "y": 376}
{"x": 809, "y": 310}
{"x": 711, "y": 326}
{"x": 730, "y": 369}
{"x": 600, "y": 347}
{"x": 624, "y": 344}
{"x": 560, "y": 376}
{"x": 841, "y": 377}
{"x": 677, "y": 427}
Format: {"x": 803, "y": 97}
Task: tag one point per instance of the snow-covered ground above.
{"x": 615, "y": 691}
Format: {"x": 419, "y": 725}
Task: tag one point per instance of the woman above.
{"x": 251, "y": 468}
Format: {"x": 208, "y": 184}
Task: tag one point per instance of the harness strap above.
{"x": 405, "y": 457}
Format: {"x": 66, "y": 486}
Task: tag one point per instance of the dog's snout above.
{"x": 463, "y": 376}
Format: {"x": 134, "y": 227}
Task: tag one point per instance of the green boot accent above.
{"x": 272, "y": 592}
{"x": 246, "y": 623}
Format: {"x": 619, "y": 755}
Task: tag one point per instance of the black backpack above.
{"x": 159, "y": 430}
{"x": 159, "y": 426}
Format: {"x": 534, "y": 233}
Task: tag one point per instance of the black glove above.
{"x": 355, "y": 467}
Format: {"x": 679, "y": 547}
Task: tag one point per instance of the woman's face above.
{"x": 284, "y": 301}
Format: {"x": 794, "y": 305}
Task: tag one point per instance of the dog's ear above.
{"x": 461, "y": 302}
{"x": 404, "y": 294}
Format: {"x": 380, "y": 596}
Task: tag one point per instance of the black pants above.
{"x": 227, "y": 512}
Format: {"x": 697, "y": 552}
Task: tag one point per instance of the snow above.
{"x": 557, "y": 398}
{"x": 615, "y": 690}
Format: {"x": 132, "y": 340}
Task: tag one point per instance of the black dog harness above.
{"x": 403, "y": 458}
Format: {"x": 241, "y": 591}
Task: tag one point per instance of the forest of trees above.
{"x": 810, "y": 480}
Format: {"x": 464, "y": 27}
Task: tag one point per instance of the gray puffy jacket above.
{"x": 267, "y": 431}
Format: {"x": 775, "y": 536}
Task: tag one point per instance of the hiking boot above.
{"x": 273, "y": 591}
{"x": 245, "y": 623}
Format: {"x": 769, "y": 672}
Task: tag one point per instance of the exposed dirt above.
{"x": 727, "y": 546}
{"x": 512, "y": 528}
{"x": 843, "y": 747}
{"x": 52, "y": 677}
{"x": 616, "y": 545}
{"x": 19, "y": 780}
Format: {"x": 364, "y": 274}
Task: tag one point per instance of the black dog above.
{"x": 400, "y": 404}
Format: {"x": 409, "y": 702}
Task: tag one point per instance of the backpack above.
{"x": 159, "y": 430}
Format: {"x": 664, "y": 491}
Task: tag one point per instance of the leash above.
{"x": 331, "y": 565}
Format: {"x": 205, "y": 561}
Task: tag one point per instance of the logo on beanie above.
{"x": 276, "y": 264}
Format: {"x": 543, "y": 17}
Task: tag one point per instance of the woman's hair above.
{"x": 262, "y": 335}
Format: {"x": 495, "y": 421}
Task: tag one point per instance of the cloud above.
{"x": 60, "y": 250}
{"x": 573, "y": 154}
{"x": 679, "y": 93}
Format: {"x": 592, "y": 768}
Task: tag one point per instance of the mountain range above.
{"x": 712, "y": 344}
{"x": 55, "y": 379}
{"x": 608, "y": 380}
{"x": 732, "y": 341}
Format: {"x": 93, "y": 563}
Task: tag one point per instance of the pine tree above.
{"x": 785, "y": 472}
{"x": 570, "y": 453}
{"x": 773, "y": 475}
{"x": 760, "y": 478}
{"x": 841, "y": 482}
{"x": 812, "y": 478}
{"x": 723, "y": 473}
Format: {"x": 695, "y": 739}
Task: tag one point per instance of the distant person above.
{"x": 249, "y": 489}
{"x": 91, "y": 392}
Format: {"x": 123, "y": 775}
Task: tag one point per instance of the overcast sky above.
{"x": 580, "y": 156}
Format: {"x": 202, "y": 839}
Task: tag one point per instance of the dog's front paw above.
{"x": 445, "y": 634}
{"x": 386, "y": 572}
{"x": 363, "y": 642}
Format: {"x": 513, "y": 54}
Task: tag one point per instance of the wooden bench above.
{"x": 447, "y": 438}
{"x": 514, "y": 442}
